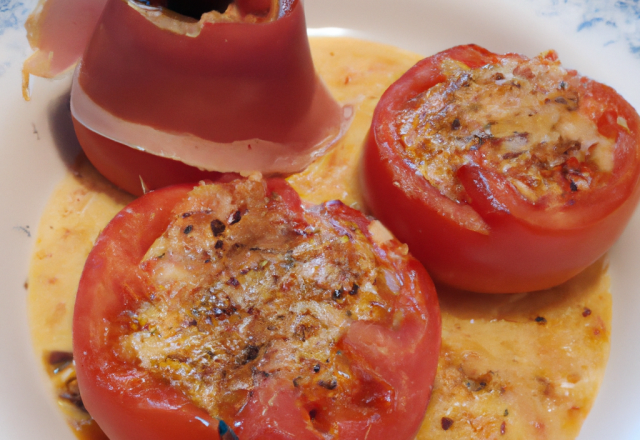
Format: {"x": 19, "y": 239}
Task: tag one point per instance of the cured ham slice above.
{"x": 234, "y": 91}
{"x": 58, "y": 31}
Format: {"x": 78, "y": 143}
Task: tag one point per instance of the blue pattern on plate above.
{"x": 13, "y": 13}
{"x": 613, "y": 21}
{"x": 13, "y": 40}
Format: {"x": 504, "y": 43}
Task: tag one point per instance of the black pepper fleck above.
{"x": 233, "y": 282}
{"x": 541, "y": 320}
{"x": 235, "y": 217}
{"x": 217, "y": 227}
{"x": 188, "y": 229}
{"x": 446, "y": 423}
{"x": 573, "y": 186}
{"x": 586, "y": 312}
{"x": 251, "y": 353}
{"x": 331, "y": 385}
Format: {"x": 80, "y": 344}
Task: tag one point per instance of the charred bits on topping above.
{"x": 268, "y": 298}
{"x": 330, "y": 385}
{"x": 234, "y": 218}
{"x": 217, "y": 227}
{"x": 479, "y": 120}
{"x": 233, "y": 282}
{"x": 250, "y": 354}
{"x": 446, "y": 423}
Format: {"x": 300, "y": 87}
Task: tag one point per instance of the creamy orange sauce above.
{"x": 524, "y": 366}
{"x": 521, "y": 118}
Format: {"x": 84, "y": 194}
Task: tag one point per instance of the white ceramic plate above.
{"x": 600, "y": 38}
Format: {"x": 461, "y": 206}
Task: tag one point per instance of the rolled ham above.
{"x": 58, "y": 31}
{"x": 231, "y": 92}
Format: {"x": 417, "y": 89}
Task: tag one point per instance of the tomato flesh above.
{"x": 486, "y": 234}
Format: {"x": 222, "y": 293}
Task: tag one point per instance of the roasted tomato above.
{"x": 235, "y": 302}
{"x": 232, "y": 90}
{"x": 502, "y": 173}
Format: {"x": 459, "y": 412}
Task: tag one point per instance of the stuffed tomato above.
{"x": 172, "y": 92}
{"x": 502, "y": 173}
{"x": 235, "y": 302}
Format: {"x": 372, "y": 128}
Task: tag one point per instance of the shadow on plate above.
{"x": 61, "y": 126}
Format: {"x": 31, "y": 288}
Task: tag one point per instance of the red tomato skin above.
{"x": 127, "y": 167}
{"x": 521, "y": 248}
{"x": 128, "y": 403}
{"x": 390, "y": 352}
{"x": 150, "y": 409}
{"x": 369, "y": 341}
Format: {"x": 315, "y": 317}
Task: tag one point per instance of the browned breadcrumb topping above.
{"x": 242, "y": 288}
{"x": 520, "y": 117}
